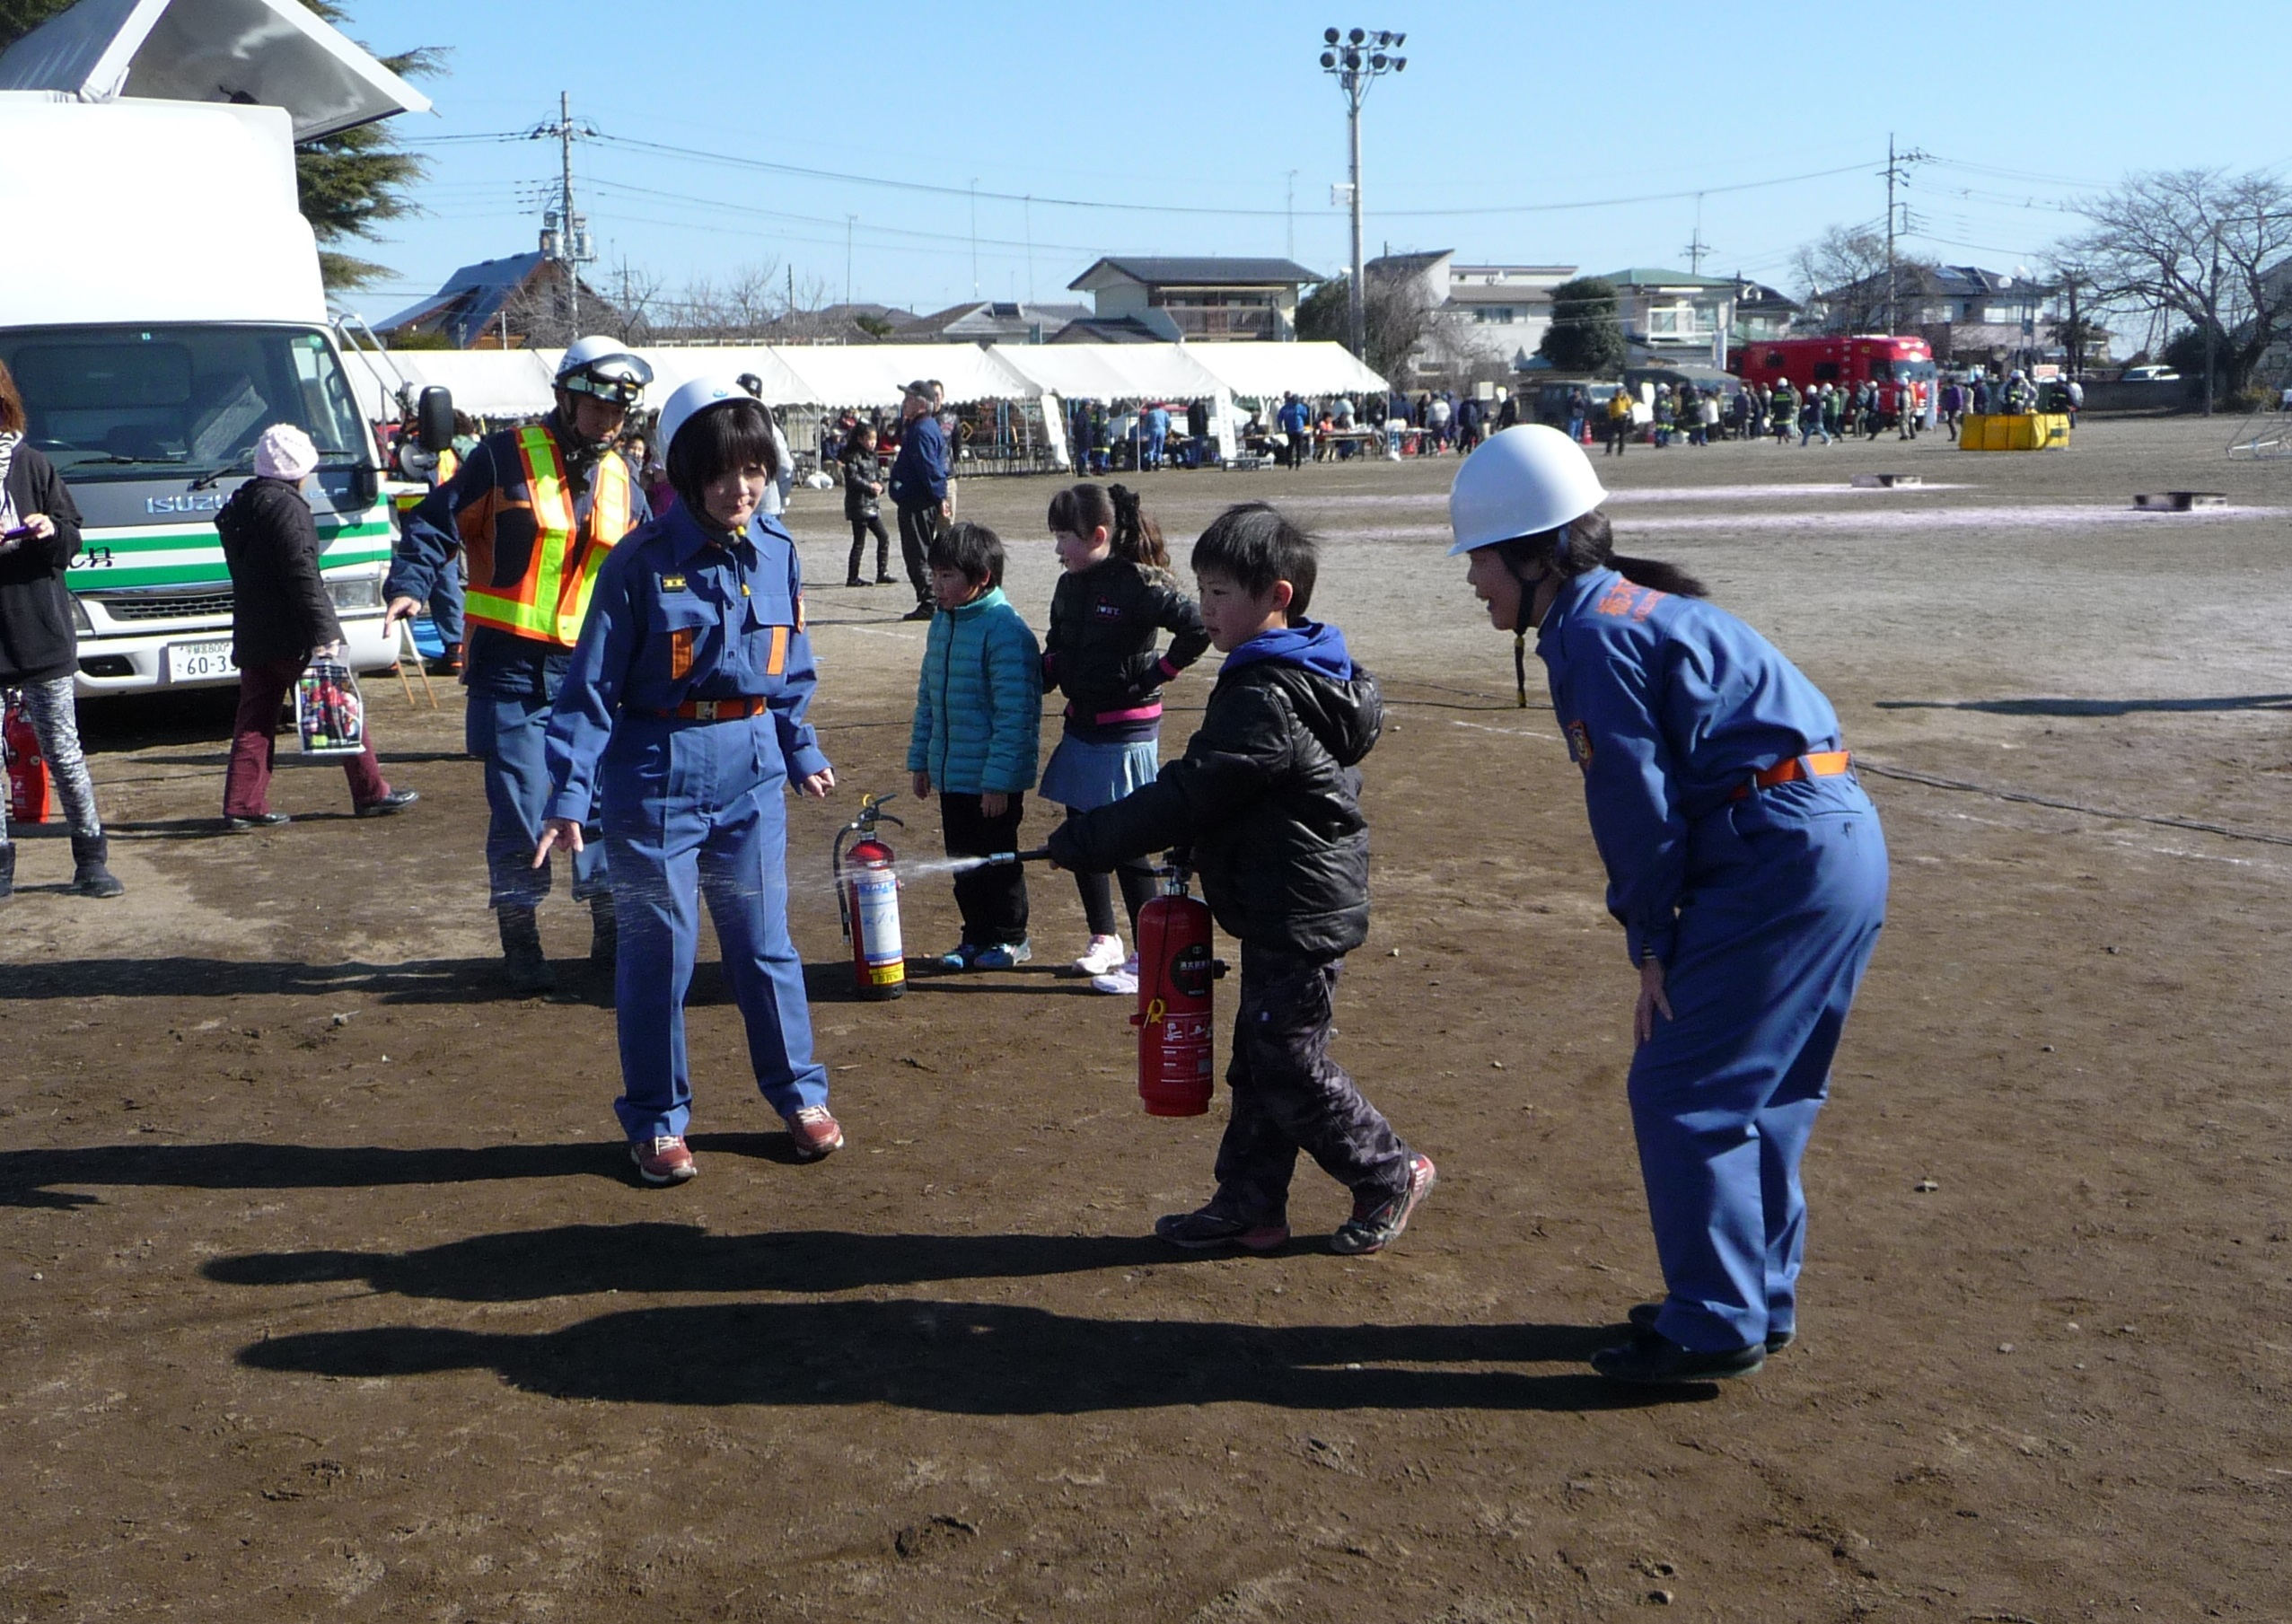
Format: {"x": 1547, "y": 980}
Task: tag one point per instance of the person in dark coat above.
{"x": 1268, "y": 800}
{"x": 862, "y": 506}
{"x": 281, "y": 619}
{"x": 39, "y": 653}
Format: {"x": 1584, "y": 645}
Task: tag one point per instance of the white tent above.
{"x": 273, "y": 53}
{"x": 486, "y": 382}
{"x": 878, "y": 375}
{"x": 1111, "y": 372}
{"x": 1266, "y": 372}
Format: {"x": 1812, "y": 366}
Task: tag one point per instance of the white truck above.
{"x": 161, "y": 304}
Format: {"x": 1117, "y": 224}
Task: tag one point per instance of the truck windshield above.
{"x": 114, "y": 402}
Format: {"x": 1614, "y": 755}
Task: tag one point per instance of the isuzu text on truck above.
{"x": 169, "y": 308}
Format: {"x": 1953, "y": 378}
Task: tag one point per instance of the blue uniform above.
{"x": 512, "y": 681}
{"x": 694, "y": 807}
{"x": 1761, "y": 904}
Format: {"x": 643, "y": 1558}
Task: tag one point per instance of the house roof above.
{"x": 1499, "y": 293}
{"x": 991, "y": 320}
{"x": 1947, "y": 282}
{"x": 1644, "y": 275}
{"x": 1752, "y": 297}
{"x": 1403, "y": 263}
{"x": 470, "y": 298}
{"x": 1201, "y": 270}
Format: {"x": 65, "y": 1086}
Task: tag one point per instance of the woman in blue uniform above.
{"x": 684, "y": 710}
{"x": 1745, "y": 862}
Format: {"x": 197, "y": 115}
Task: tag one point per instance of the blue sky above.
{"x": 1177, "y": 109}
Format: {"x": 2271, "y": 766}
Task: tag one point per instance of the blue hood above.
{"x": 1315, "y": 646}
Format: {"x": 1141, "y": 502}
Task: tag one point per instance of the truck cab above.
{"x": 171, "y": 308}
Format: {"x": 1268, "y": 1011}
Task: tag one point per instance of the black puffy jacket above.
{"x": 37, "y": 641}
{"x": 1100, "y": 651}
{"x": 1267, "y": 798}
{"x": 280, "y": 609}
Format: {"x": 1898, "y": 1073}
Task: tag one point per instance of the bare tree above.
{"x": 1396, "y": 312}
{"x": 2208, "y": 246}
{"x": 1844, "y": 271}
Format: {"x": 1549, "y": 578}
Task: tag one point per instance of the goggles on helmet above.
{"x": 617, "y": 379}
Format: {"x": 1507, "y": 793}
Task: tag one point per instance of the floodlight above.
{"x": 1329, "y": 36}
{"x": 1353, "y": 60}
{"x": 1398, "y": 40}
{"x": 1356, "y": 36}
{"x": 1399, "y": 63}
{"x": 1377, "y": 62}
{"x": 1329, "y": 59}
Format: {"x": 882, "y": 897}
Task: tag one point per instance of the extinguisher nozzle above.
{"x": 1032, "y": 854}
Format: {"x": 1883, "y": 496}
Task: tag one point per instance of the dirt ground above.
{"x": 324, "y": 1293}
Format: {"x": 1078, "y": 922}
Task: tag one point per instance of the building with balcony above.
{"x": 1674, "y": 315}
{"x": 1200, "y": 298}
{"x": 1484, "y": 317}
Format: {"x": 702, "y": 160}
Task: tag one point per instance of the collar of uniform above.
{"x": 688, "y": 536}
{"x": 1571, "y": 595}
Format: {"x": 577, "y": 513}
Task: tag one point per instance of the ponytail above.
{"x": 1135, "y": 537}
{"x": 1583, "y": 545}
{"x": 1657, "y": 577}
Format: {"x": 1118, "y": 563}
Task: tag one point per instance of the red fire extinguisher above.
{"x": 28, "y": 801}
{"x": 1175, "y": 971}
{"x": 868, "y": 897}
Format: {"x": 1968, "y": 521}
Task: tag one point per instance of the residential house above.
{"x": 1485, "y": 317}
{"x": 1674, "y": 315}
{"x": 991, "y": 321}
{"x": 1198, "y": 297}
{"x": 489, "y": 305}
{"x": 1761, "y": 312}
{"x": 1971, "y": 317}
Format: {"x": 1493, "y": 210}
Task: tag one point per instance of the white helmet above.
{"x": 1523, "y": 480}
{"x": 603, "y": 366}
{"x": 689, "y": 399}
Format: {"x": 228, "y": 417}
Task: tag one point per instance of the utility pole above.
{"x": 1897, "y": 172}
{"x": 1354, "y": 59}
{"x": 1696, "y": 247}
{"x": 565, "y": 235}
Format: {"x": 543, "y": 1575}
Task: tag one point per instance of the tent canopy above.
{"x": 878, "y": 375}
{"x": 275, "y": 53}
{"x": 1111, "y": 372}
{"x": 1266, "y": 372}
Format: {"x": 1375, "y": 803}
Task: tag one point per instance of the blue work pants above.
{"x": 1786, "y": 892}
{"x": 506, "y": 731}
{"x": 698, "y": 810}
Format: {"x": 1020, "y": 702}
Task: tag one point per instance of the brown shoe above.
{"x": 815, "y": 1133}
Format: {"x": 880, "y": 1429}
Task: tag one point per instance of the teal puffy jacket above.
{"x": 979, "y": 702}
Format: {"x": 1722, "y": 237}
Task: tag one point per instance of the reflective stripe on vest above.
{"x": 551, "y": 601}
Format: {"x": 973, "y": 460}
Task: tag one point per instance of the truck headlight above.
{"x": 356, "y": 591}
{"x": 80, "y": 620}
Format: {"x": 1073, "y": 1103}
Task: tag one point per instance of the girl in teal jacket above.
{"x": 978, "y": 716}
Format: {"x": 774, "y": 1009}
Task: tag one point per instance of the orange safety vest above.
{"x": 550, "y": 602}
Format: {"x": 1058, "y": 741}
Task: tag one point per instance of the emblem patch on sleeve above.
{"x": 1580, "y": 745}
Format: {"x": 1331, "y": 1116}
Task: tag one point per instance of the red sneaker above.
{"x": 663, "y": 1161}
{"x": 815, "y": 1133}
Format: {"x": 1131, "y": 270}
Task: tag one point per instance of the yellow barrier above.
{"x": 2014, "y": 431}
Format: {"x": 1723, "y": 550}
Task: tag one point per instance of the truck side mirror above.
{"x": 433, "y": 420}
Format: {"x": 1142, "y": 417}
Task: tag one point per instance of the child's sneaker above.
{"x": 1213, "y": 1225}
{"x": 663, "y": 1161}
{"x": 1122, "y": 983}
{"x": 959, "y": 958}
{"x": 1003, "y": 955}
{"x": 1374, "y": 1228}
{"x": 1104, "y": 958}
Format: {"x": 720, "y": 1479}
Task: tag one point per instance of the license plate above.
{"x": 199, "y": 661}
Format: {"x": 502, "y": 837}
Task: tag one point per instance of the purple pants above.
{"x": 246, "y": 784}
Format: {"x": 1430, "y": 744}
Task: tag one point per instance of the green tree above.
{"x": 1586, "y": 339}
{"x": 350, "y": 183}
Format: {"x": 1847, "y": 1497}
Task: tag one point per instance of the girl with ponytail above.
{"x": 1745, "y": 863}
{"x": 1115, "y": 599}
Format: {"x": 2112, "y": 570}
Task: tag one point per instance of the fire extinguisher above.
{"x": 868, "y": 898}
{"x": 28, "y": 801}
{"x": 1175, "y": 971}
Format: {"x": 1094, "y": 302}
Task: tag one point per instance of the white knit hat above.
{"x": 285, "y": 452}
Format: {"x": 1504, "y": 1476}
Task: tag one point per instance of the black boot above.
{"x": 90, "y": 878}
{"x": 521, "y": 950}
{"x": 7, "y": 869}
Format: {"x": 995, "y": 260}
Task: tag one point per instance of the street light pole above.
{"x": 1354, "y": 59}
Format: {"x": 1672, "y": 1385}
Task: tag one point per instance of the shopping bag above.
{"x": 329, "y": 714}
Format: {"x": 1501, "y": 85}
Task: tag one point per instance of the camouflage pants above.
{"x": 1289, "y": 1095}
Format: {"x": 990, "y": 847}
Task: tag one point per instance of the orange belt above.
{"x": 1824, "y": 764}
{"x": 717, "y": 710}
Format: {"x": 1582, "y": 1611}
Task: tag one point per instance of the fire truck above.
{"x": 1901, "y": 367}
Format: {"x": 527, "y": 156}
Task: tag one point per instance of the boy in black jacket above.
{"x": 1267, "y": 798}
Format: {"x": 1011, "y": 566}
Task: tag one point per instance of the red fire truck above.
{"x": 1844, "y": 362}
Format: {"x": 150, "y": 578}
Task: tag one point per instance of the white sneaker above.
{"x": 1121, "y": 983}
{"x": 1105, "y": 956}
